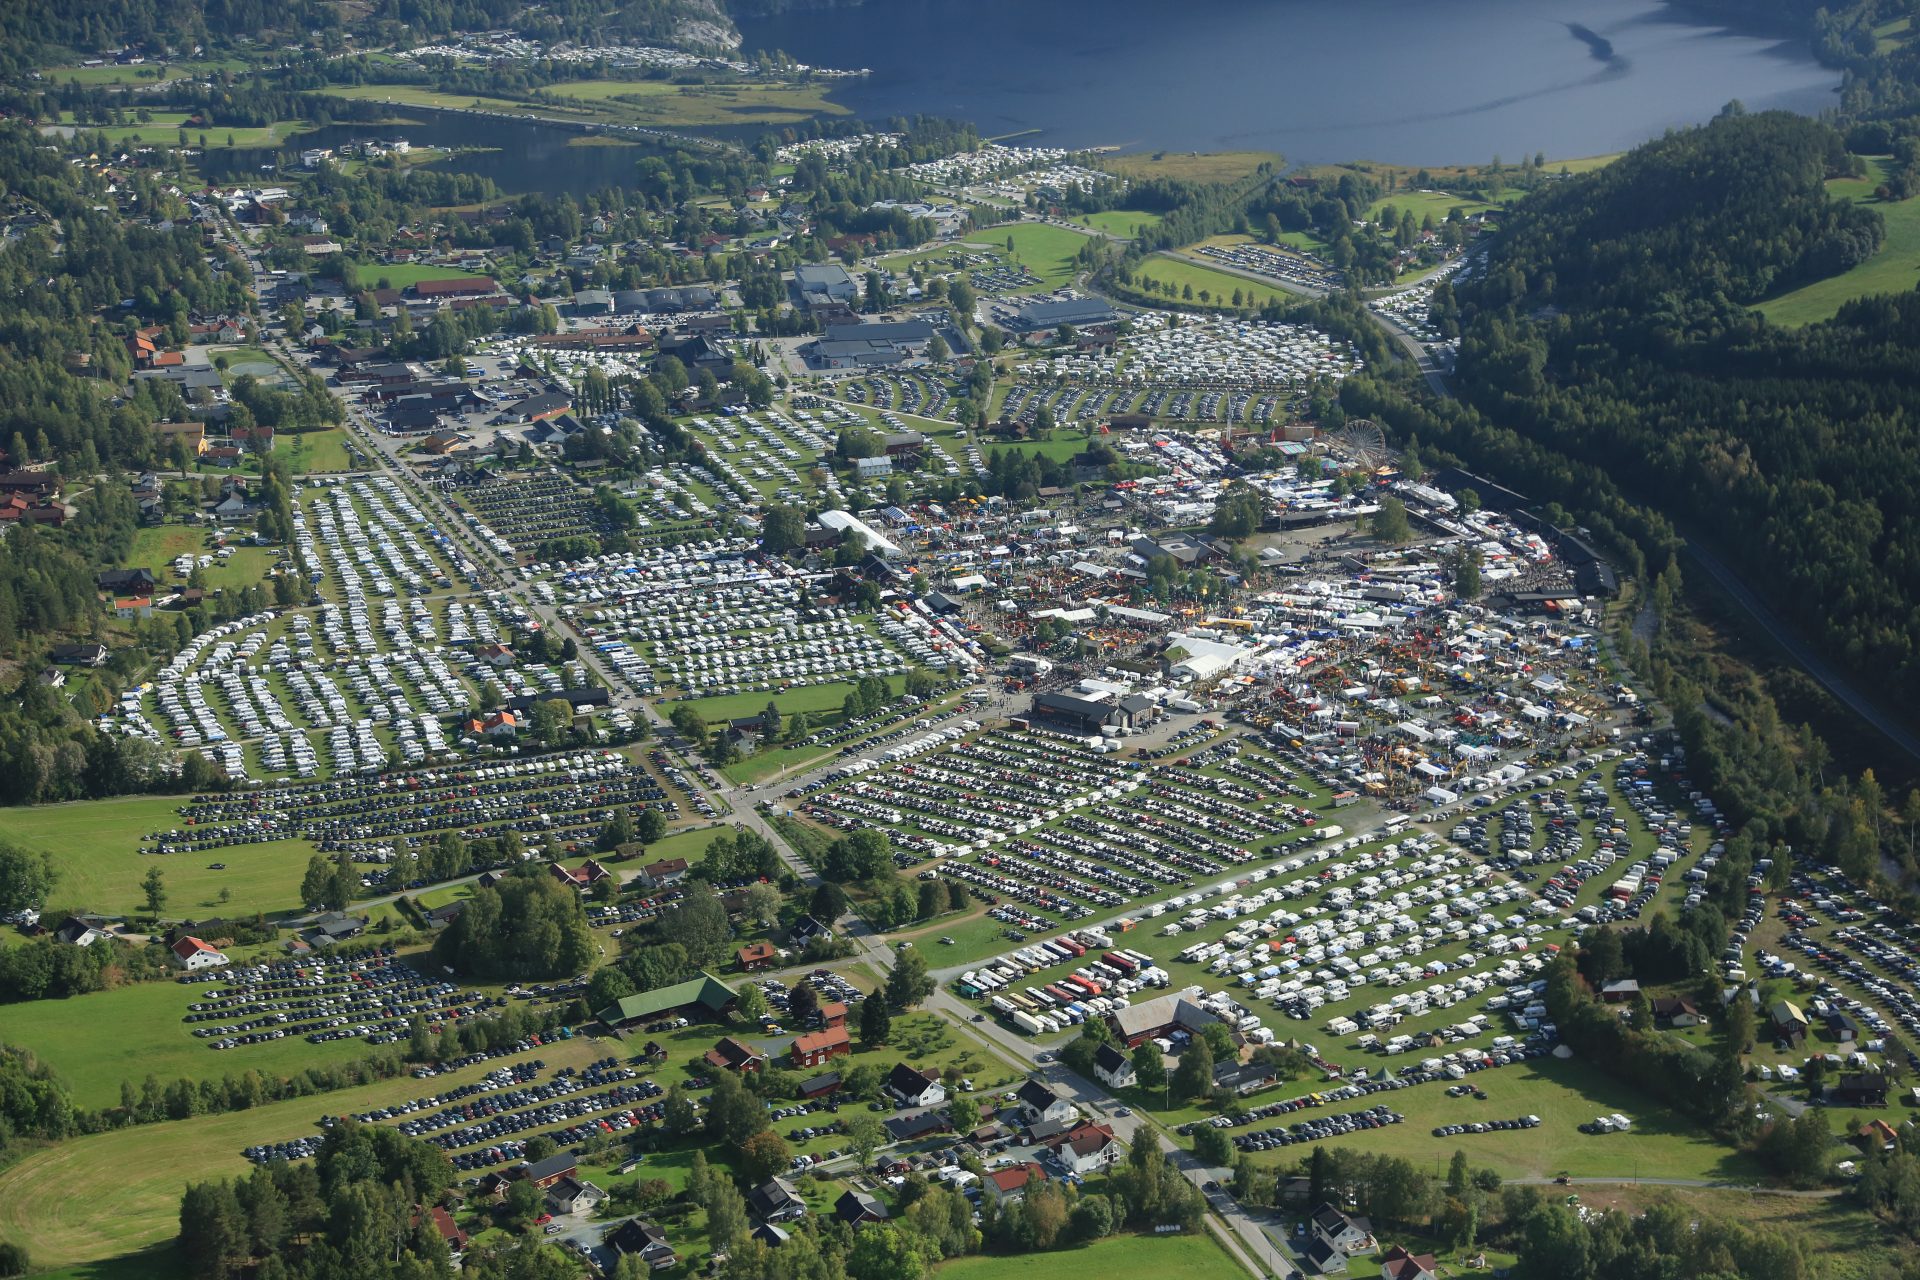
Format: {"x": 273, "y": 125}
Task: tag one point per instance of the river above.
{"x": 1401, "y": 81}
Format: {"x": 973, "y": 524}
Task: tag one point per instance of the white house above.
{"x": 1090, "y": 1152}
{"x": 916, "y": 1088}
{"x": 1113, "y": 1068}
{"x": 193, "y": 955}
{"x": 1038, "y": 1102}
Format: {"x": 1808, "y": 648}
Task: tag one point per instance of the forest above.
{"x": 1611, "y": 323}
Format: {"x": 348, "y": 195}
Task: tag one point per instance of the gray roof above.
{"x": 820, "y": 275}
{"x": 881, "y": 331}
{"x": 1049, "y": 315}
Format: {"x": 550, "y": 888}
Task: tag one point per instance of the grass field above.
{"x": 658, "y": 102}
{"x": 96, "y": 850}
{"x": 1219, "y": 285}
{"x": 399, "y": 275}
{"x": 1120, "y": 222}
{"x": 316, "y": 451}
{"x": 810, "y": 699}
{"x": 1182, "y": 1257}
{"x": 1895, "y": 269}
{"x": 145, "y": 73}
{"x": 1187, "y": 166}
{"x": 1438, "y": 204}
{"x": 97, "y": 1041}
{"x": 164, "y": 130}
{"x": 1047, "y": 251}
{"x": 108, "y": 1195}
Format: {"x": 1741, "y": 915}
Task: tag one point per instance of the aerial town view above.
{"x": 810, "y": 640}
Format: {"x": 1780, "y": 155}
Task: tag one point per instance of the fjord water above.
{"x": 1402, "y": 81}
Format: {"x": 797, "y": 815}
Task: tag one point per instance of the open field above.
{"x": 111, "y": 1194}
{"x": 1437, "y": 204}
{"x": 96, "y": 850}
{"x": 399, "y": 275}
{"x": 413, "y": 96}
{"x": 1189, "y": 166}
{"x": 316, "y": 451}
{"x": 1842, "y": 1241}
{"x": 659, "y": 102}
{"x": 96, "y": 1042}
{"x": 165, "y": 126}
{"x": 1219, "y": 285}
{"x": 1184, "y": 1257}
{"x": 1047, "y": 251}
{"x": 810, "y": 699}
{"x": 1895, "y": 269}
{"x": 144, "y": 73}
{"x": 1120, "y": 222}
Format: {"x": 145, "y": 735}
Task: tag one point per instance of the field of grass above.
{"x": 413, "y": 96}
{"x": 95, "y": 1042}
{"x": 164, "y": 130}
{"x": 399, "y": 275}
{"x": 316, "y": 451}
{"x": 1438, "y": 204}
{"x": 1181, "y": 1257}
{"x": 1120, "y": 222}
{"x": 661, "y": 103}
{"x": 1219, "y": 285}
{"x": 96, "y": 850}
{"x": 1895, "y": 269}
{"x": 1045, "y": 250}
{"x": 108, "y": 1195}
{"x": 1188, "y": 166}
{"x": 145, "y": 73}
{"x": 810, "y": 699}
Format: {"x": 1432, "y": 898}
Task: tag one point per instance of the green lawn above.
{"x": 97, "y": 1041}
{"x": 316, "y": 451}
{"x": 96, "y": 850}
{"x": 1423, "y": 203}
{"x": 1219, "y": 285}
{"x": 660, "y": 102}
{"x": 1182, "y": 1257}
{"x": 1045, "y": 250}
{"x": 810, "y": 699}
{"x": 1120, "y": 222}
{"x": 400, "y": 275}
{"x": 88, "y": 1202}
{"x": 163, "y": 129}
{"x": 1894, "y": 269}
{"x": 409, "y": 95}
{"x": 145, "y": 73}
{"x": 1187, "y": 166}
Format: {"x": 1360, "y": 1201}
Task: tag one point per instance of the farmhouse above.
{"x": 1397, "y": 1264}
{"x": 1038, "y": 1102}
{"x": 756, "y": 956}
{"x": 194, "y": 955}
{"x": 735, "y": 1055}
{"x": 776, "y": 1200}
{"x": 916, "y": 1088}
{"x": 1012, "y": 1183}
{"x": 817, "y": 1047}
{"x": 856, "y": 1207}
{"x": 1114, "y": 1068}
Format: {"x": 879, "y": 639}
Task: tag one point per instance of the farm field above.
{"x": 98, "y": 1198}
{"x": 95, "y": 847}
{"x": 1219, "y": 285}
{"x": 1189, "y": 166}
{"x": 1183, "y": 1257}
{"x": 1894, "y": 269}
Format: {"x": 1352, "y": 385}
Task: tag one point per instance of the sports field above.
{"x": 1045, "y": 250}
{"x": 399, "y": 275}
{"x": 1219, "y": 286}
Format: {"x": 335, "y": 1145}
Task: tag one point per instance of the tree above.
{"x": 523, "y": 1203}
{"x": 1193, "y": 1077}
{"x": 909, "y": 983}
{"x": 964, "y": 1114}
{"x": 652, "y": 826}
{"x": 875, "y": 1022}
{"x": 762, "y": 1156}
{"x": 752, "y": 1003}
{"x": 782, "y": 529}
{"x": 26, "y": 876}
{"x": 733, "y": 1114}
{"x": 1466, "y": 574}
{"x": 866, "y": 1134}
{"x": 697, "y": 922}
{"x": 763, "y": 904}
{"x": 679, "y": 1114}
{"x": 154, "y": 887}
{"x": 1212, "y": 1147}
{"x": 1149, "y": 1068}
{"x": 829, "y": 902}
{"x": 609, "y": 986}
{"x": 539, "y": 1147}
{"x": 1390, "y": 522}
{"x": 614, "y": 832}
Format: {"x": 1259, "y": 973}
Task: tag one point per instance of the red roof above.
{"x": 191, "y": 946}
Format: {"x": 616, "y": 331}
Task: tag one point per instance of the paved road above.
{"x": 1801, "y": 651}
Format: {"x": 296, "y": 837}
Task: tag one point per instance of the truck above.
{"x": 1026, "y": 1022}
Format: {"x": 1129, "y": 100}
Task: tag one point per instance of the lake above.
{"x": 1400, "y": 81}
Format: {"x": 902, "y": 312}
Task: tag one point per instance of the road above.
{"x": 1803, "y": 653}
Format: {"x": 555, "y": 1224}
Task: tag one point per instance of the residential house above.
{"x": 664, "y": 873}
{"x": 1397, "y": 1264}
{"x": 1093, "y": 1149}
{"x": 637, "y": 1239}
{"x": 911, "y": 1126}
{"x": 916, "y": 1088}
{"x": 573, "y": 1195}
{"x": 735, "y": 1055}
{"x": 194, "y": 955}
{"x": 546, "y": 1174}
{"x": 1675, "y": 1011}
{"x": 79, "y": 655}
{"x": 756, "y": 956}
{"x": 817, "y": 1047}
{"x": 1012, "y": 1182}
{"x": 443, "y": 1225}
{"x": 856, "y": 1207}
{"x": 776, "y": 1200}
{"x": 1619, "y": 991}
{"x": 1859, "y": 1089}
{"x": 1788, "y": 1023}
{"x": 1343, "y": 1231}
{"x": 495, "y": 724}
{"x": 806, "y": 929}
{"x": 1038, "y": 1102}
{"x": 77, "y": 932}
{"x": 1112, "y": 1067}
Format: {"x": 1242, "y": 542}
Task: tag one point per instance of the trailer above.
{"x": 1027, "y": 1023}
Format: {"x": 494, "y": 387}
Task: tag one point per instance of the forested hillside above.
{"x": 1610, "y": 324}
